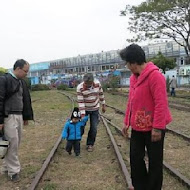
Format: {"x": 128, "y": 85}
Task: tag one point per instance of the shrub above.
{"x": 185, "y": 85}
{"x": 168, "y": 84}
{"x": 105, "y": 86}
{"x": 112, "y": 82}
{"x": 39, "y": 87}
{"x": 62, "y": 87}
{"x": 28, "y": 82}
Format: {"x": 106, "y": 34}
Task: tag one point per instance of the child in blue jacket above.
{"x": 73, "y": 131}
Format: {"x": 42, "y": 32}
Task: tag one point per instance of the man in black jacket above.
{"x": 15, "y": 110}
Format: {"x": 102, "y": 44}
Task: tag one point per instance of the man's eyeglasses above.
{"x": 24, "y": 71}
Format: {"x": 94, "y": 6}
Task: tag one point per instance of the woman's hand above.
{"x": 125, "y": 131}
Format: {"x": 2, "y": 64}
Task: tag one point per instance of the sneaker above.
{"x": 15, "y": 178}
{"x": 89, "y": 148}
{"x": 70, "y": 153}
{"x": 77, "y": 154}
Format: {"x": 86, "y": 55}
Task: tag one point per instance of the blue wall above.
{"x": 39, "y": 66}
{"x": 34, "y": 80}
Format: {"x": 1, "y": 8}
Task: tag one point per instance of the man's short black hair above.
{"x": 20, "y": 64}
{"x": 88, "y": 77}
{"x": 133, "y": 54}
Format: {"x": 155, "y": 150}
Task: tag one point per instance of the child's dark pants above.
{"x": 75, "y": 144}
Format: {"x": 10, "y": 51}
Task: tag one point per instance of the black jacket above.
{"x": 8, "y": 86}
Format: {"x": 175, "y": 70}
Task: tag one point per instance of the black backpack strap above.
{"x": 1, "y": 133}
{"x": 8, "y": 95}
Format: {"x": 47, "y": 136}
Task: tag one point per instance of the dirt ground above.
{"x": 98, "y": 170}
{"x": 95, "y": 170}
{"x": 50, "y": 112}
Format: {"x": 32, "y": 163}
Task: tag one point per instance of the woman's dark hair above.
{"x": 20, "y": 63}
{"x": 133, "y": 54}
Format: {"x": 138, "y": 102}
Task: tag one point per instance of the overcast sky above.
{"x": 44, "y": 30}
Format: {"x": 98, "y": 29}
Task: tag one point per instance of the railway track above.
{"x": 170, "y": 130}
{"x": 126, "y": 172}
{"x": 118, "y": 145}
{"x": 46, "y": 163}
{"x": 172, "y": 103}
{"x": 173, "y": 171}
{"x": 177, "y": 133}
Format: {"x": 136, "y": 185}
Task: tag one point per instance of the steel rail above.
{"x": 168, "y": 129}
{"x": 168, "y": 167}
{"x": 177, "y": 133}
{"x": 119, "y": 156}
{"x": 45, "y": 165}
{"x": 172, "y": 104}
{"x": 179, "y": 107}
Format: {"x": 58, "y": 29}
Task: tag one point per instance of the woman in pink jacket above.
{"x": 147, "y": 114}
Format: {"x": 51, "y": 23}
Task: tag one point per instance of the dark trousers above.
{"x": 94, "y": 120}
{"x": 75, "y": 144}
{"x": 172, "y": 92}
{"x": 143, "y": 179}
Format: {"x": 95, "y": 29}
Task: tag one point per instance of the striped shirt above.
{"x": 89, "y": 99}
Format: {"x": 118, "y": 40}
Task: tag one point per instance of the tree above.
{"x": 159, "y": 19}
{"x": 28, "y": 82}
{"x": 163, "y": 62}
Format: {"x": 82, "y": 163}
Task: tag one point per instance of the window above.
{"x": 182, "y": 61}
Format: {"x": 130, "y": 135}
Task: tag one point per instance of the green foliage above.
{"x": 62, "y": 87}
{"x": 105, "y": 86}
{"x": 163, "y": 62}
{"x": 2, "y": 71}
{"x": 28, "y": 82}
{"x": 168, "y": 84}
{"x": 158, "y": 19}
{"x": 112, "y": 82}
{"x": 39, "y": 87}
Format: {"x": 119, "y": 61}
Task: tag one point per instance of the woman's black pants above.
{"x": 148, "y": 177}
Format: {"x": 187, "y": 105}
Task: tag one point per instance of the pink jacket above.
{"x": 147, "y": 105}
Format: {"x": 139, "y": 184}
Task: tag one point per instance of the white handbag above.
{"x": 3, "y": 147}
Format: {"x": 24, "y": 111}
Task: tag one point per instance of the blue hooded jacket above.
{"x": 72, "y": 131}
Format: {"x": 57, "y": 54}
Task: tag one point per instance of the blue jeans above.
{"x": 94, "y": 120}
{"x": 172, "y": 91}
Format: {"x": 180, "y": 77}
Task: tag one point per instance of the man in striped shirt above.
{"x": 90, "y": 96}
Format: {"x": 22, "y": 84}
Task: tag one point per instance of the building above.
{"x": 104, "y": 62}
